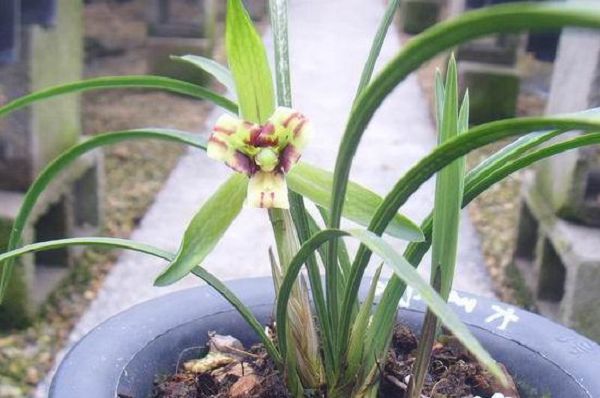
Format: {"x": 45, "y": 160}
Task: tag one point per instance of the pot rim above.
{"x": 126, "y": 334}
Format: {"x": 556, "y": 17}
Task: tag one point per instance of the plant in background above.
{"x": 335, "y": 349}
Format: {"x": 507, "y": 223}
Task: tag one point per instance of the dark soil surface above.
{"x": 453, "y": 373}
{"x": 253, "y": 376}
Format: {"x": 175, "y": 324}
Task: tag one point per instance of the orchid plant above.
{"x": 332, "y": 348}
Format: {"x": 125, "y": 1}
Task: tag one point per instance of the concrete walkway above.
{"x": 329, "y": 44}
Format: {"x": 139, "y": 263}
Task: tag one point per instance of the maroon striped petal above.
{"x": 267, "y": 190}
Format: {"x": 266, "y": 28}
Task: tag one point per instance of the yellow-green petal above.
{"x": 225, "y": 143}
{"x": 291, "y": 126}
{"x": 267, "y": 190}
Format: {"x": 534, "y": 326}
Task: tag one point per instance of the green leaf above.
{"x": 463, "y": 115}
{"x": 109, "y": 242}
{"x": 384, "y": 318}
{"x": 331, "y": 270}
{"x": 315, "y": 184}
{"x": 249, "y": 65}
{"x": 244, "y": 311}
{"x": 464, "y": 143}
{"x": 210, "y": 279}
{"x": 376, "y": 46}
{"x": 121, "y": 82}
{"x": 513, "y": 150}
{"x": 519, "y": 147}
{"x": 343, "y": 256}
{"x": 448, "y": 192}
{"x": 496, "y": 174}
{"x": 446, "y": 214}
{"x": 279, "y": 24}
{"x": 437, "y": 159}
{"x": 305, "y": 228}
{"x": 439, "y": 98}
{"x": 309, "y": 369}
{"x": 403, "y": 270}
{"x": 356, "y": 348}
{"x": 206, "y": 228}
{"x": 68, "y": 157}
{"x": 212, "y": 67}
{"x": 441, "y": 37}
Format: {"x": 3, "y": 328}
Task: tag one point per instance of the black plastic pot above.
{"x": 122, "y": 356}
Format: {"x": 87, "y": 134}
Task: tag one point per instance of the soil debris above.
{"x": 453, "y": 373}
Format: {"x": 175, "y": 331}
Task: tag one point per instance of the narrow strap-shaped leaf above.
{"x": 279, "y": 23}
{"x": 446, "y": 213}
{"x": 307, "y": 248}
{"x": 343, "y": 256}
{"x": 203, "y": 274}
{"x": 384, "y": 317}
{"x": 448, "y": 192}
{"x": 517, "y": 148}
{"x": 376, "y": 46}
{"x": 439, "y": 38}
{"x": 67, "y": 158}
{"x": 249, "y": 65}
{"x": 121, "y": 82}
{"x": 504, "y": 170}
{"x": 437, "y": 159}
{"x": 403, "y": 270}
{"x": 206, "y": 228}
{"x": 449, "y": 188}
{"x": 439, "y": 98}
{"x": 305, "y": 228}
{"x": 443, "y": 36}
{"x": 358, "y": 342}
{"x": 244, "y": 311}
{"x": 210, "y": 66}
{"x": 91, "y": 241}
{"x": 315, "y": 184}
{"x": 514, "y": 150}
{"x": 311, "y": 369}
{"x": 344, "y": 262}
{"x": 465, "y": 143}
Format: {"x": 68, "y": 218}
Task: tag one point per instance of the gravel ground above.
{"x": 115, "y": 45}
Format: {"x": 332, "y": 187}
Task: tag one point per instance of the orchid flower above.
{"x": 265, "y": 153}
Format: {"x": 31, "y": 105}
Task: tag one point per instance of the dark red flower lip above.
{"x": 263, "y": 136}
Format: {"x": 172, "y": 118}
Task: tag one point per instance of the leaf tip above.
{"x": 166, "y": 277}
{"x": 452, "y": 58}
{"x": 417, "y": 234}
